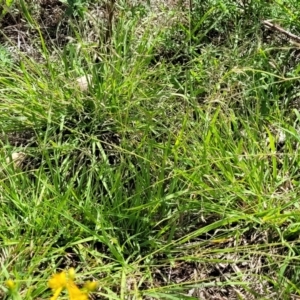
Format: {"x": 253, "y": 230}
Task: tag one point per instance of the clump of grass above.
{"x": 160, "y": 178}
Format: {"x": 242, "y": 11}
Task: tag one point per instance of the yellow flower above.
{"x": 90, "y": 286}
{"x": 75, "y": 293}
{"x": 57, "y": 283}
{"x": 61, "y": 281}
{"x": 71, "y": 273}
{"x": 56, "y": 293}
{"x": 10, "y": 284}
{"x": 12, "y": 289}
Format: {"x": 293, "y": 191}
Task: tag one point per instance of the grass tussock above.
{"x": 153, "y": 150}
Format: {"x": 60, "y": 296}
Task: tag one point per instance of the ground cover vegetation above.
{"x": 150, "y": 146}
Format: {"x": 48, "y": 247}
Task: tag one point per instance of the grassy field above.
{"x": 170, "y": 169}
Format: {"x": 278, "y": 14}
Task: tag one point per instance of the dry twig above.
{"x": 282, "y": 30}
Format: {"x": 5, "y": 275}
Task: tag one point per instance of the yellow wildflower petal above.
{"x": 71, "y": 273}
{"x": 91, "y": 286}
{"x": 58, "y": 281}
{"x": 75, "y": 293}
{"x": 56, "y": 293}
{"x": 10, "y": 284}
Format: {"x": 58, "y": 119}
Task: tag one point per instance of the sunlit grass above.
{"x": 176, "y": 163}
